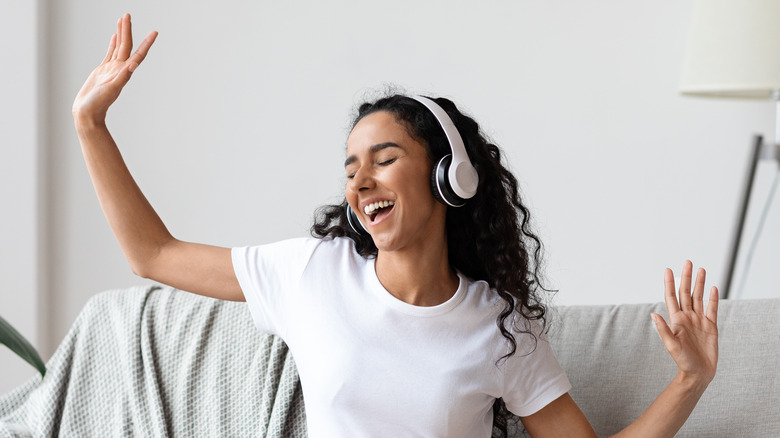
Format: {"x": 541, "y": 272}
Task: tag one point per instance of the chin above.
{"x": 384, "y": 242}
{"x": 411, "y": 235}
{"x": 385, "y": 245}
{"x": 392, "y": 242}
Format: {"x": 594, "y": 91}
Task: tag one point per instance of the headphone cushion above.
{"x": 355, "y": 223}
{"x": 440, "y": 184}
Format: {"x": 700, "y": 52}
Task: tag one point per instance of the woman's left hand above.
{"x": 691, "y": 337}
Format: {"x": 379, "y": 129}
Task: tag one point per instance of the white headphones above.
{"x": 454, "y": 179}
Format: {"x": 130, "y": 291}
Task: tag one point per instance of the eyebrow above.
{"x": 373, "y": 149}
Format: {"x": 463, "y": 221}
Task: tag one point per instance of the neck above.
{"x": 421, "y": 276}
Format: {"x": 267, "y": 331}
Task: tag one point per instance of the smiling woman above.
{"x": 406, "y": 315}
{"x": 488, "y": 239}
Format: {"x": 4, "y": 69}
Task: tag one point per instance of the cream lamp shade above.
{"x": 733, "y": 49}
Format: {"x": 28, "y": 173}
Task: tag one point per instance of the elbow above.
{"x": 143, "y": 264}
{"x": 140, "y": 269}
{"x": 148, "y": 263}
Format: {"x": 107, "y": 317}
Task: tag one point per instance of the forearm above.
{"x": 137, "y": 227}
{"x": 669, "y": 411}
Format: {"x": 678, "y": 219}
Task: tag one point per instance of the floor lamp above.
{"x": 734, "y": 52}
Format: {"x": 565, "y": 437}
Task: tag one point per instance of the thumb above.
{"x": 667, "y": 337}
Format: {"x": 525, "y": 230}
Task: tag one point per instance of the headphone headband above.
{"x": 461, "y": 174}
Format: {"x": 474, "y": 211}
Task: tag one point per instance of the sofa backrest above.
{"x": 171, "y": 363}
{"x": 617, "y": 366}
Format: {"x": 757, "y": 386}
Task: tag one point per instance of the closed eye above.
{"x": 387, "y": 162}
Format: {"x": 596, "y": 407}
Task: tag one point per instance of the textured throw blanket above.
{"x": 147, "y": 362}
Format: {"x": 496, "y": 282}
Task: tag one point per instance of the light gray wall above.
{"x": 234, "y": 127}
{"x": 20, "y": 176}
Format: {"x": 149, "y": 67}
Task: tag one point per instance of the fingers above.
{"x": 122, "y": 44}
{"x": 143, "y": 49}
{"x": 118, "y": 39}
{"x": 669, "y": 294}
{"x": 698, "y": 291}
{"x": 712, "y": 305}
{"x": 687, "y": 300}
{"x": 111, "y": 47}
{"x": 126, "y": 41}
{"x": 685, "y": 286}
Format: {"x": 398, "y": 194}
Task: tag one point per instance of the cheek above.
{"x": 350, "y": 195}
{"x": 421, "y": 179}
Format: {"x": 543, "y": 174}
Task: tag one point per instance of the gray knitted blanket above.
{"x": 147, "y": 362}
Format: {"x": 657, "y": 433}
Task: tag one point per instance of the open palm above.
{"x": 691, "y": 337}
{"x": 104, "y": 84}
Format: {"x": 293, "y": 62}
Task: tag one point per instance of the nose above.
{"x": 362, "y": 180}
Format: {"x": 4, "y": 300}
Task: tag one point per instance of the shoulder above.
{"x": 527, "y": 331}
{"x": 327, "y": 251}
{"x": 286, "y": 260}
{"x": 342, "y": 244}
{"x": 489, "y": 297}
{"x": 481, "y": 294}
{"x": 304, "y": 245}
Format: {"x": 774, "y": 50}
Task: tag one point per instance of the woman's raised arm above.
{"x": 148, "y": 246}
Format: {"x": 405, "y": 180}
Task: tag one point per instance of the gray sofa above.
{"x": 155, "y": 362}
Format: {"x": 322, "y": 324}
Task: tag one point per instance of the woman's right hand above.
{"x": 107, "y": 80}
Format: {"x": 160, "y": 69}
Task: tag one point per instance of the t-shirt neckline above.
{"x": 390, "y": 300}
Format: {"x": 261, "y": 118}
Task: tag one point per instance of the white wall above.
{"x": 235, "y": 126}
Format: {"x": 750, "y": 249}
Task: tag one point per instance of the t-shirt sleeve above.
{"x": 533, "y": 378}
{"x": 267, "y": 275}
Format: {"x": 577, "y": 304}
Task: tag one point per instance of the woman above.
{"x": 428, "y": 313}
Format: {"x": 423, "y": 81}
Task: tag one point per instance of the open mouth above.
{"x": 378, "y": 210}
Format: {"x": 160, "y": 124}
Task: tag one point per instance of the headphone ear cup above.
{"x": 355, "y": 223}
{"x": 440, "y": 184}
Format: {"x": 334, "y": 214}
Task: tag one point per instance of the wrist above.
{"x": 87, "y": 122}
{"x": 694, "y": 383}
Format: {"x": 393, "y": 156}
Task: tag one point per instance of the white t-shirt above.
{"x": 373, "y": 365}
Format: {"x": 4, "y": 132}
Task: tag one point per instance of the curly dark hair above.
{"x": 488, "y": 239}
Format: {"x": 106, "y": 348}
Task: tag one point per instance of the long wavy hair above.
{"x": 488, "y": 239}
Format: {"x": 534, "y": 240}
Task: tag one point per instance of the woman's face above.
{"x": 388, "y": 184}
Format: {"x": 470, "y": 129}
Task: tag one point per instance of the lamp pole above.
{"x": 761, "y": 150}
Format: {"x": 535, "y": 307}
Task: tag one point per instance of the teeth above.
{"x": 374, "y": 206}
